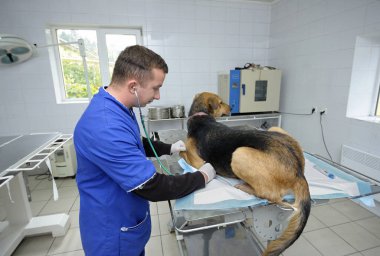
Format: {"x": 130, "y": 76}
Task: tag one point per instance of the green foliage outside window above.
{"x": 72, "y": 66}
{"x": 75, "y": 80}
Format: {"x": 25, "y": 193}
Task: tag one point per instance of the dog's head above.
{"x": 209, "y": 103}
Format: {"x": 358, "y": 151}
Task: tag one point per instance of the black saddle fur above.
{"x": 216, "y": 142}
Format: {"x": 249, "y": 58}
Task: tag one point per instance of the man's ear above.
{"x": 132, "y": 86}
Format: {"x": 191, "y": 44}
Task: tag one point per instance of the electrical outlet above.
{"x": 323, "y": 111}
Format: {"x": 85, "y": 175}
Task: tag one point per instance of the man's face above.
{"x": 151, "y": 90}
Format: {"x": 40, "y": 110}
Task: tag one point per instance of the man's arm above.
{"x": 167, "y": 187}
{"x": 160, "y": 147}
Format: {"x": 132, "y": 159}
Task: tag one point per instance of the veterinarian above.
{"x": 115, "y": 179}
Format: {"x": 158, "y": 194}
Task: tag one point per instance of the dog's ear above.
{"x": 213, "y": 104}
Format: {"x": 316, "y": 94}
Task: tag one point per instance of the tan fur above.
{"x": 214, "y": 104}
{"x": 270, "y": 175}
{"x": 267, "y": 177}
{"x": 278, "y": 129}
{"x": 217, "y": 108}
{"x": 191, "y": 154}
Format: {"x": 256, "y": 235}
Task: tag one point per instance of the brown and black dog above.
{"x": 270, "y": 162}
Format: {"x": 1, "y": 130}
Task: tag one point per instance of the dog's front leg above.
{"x": 191, "y": 154}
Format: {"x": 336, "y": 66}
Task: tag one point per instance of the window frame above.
{"x": 376, "y": 98}
{"x": 377, "y": 105}
{"x": 55, "y": 60}
{"x": 364, "y": 91}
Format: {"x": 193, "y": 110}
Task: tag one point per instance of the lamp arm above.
{"x": 82, "y": 52}
{"x": 58, "y": 44}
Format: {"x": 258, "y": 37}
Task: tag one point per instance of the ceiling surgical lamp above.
{"x": 14, "y": 49}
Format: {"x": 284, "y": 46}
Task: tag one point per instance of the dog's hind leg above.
{"x": 260, "y": 170}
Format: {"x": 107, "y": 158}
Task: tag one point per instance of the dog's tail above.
{"x": 297, "y": 221}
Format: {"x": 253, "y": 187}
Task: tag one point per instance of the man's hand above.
{"x": 208, "y": 172}
{"x": 178, "y": 147}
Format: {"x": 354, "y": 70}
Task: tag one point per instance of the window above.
{"x": 101, "y": 46}
{"x": 364, "y": 95}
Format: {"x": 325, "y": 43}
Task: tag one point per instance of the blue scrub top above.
{"x": 111, "y": 163}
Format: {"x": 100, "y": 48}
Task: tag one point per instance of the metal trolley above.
{"x": 20, "y": 154}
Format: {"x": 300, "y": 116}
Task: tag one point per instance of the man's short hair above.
{"x": 137, "y": 62}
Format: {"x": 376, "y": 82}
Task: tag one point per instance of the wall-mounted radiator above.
{"x": 362, "y": 162}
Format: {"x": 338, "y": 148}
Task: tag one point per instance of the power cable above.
{"x": 323, "y": 136}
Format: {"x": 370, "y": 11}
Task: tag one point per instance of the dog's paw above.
{"x": 246, "y": 188}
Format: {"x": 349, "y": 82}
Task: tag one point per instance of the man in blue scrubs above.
{"x": 115, "y": 179}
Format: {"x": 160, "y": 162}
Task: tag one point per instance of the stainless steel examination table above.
{"x": 20, "y": 154}
{"x": 234, "y": 231}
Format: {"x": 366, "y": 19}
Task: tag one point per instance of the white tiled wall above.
{"x": 196, "y": 38}
{"x": 313, "y": 43}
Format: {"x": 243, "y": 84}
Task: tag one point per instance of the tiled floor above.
{"x": 340, "y": 227}
{"x": 162, "y": 242}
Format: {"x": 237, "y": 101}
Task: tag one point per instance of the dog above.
{"x": 271, "y": 163}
